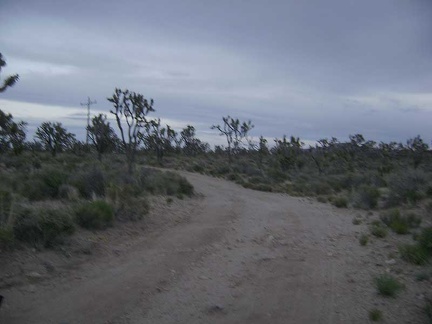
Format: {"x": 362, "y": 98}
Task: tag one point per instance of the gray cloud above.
{"x": 312, "y": 69}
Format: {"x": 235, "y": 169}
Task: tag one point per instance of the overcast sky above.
{"x": 312, "y": 69}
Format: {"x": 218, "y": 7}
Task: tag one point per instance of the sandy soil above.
{"x": 229, "y": 255}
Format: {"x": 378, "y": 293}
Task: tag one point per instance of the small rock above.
{"x": 34, "y": 275}
{"x": 215, "y": 309}
{"x": 31, "y": 289}
{"x": 48, "y": 266}
{"x": 391, "y": 261}
{"x": 203, "y": 277}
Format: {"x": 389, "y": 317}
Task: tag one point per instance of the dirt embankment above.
{"x": 230, "y": 255}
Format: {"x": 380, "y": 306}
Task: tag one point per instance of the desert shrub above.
{"x": 378, "y": 231}
{"x": 425, "y": 239}
{"x": 356, "y": 221}
{"x": 366, "y": 197}
{"x": 388, "y": 286}
{"x": 428, "y": 309}
{"x": 375, "y": 315}
{"x": 43, "y": 226}
{"x": 6, "y": 203}
{"x": 197, "y": 168}
{"x": 363, "y": 240}
{"x": 133, "y": 209}
{"x": 95, "y": 215}
{"x": 221, "y": 170}
{"x": 321, "y": 188}
{"x": 6, "y": 237}
{"x": 423, "y": 276}
{"x": 44, "y": 184}
{"x": 68, "y": 192}
{"x": 398, "y": 223}
{"x": 414, "y": 253}
{"x": 90, "y": 183}
{"x": 53, "y": 179}
{"x": 276, "y": 174}
{"x": 407, "y": 186}
{"x": 340, "y": 202}
{"x": 259, "y": 186}
{"x": 322, "y": 199}
{"x": 165, "y": 183}
{"x": 413, "y": 220}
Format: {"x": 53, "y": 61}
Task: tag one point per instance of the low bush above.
{"x": 340, "y": 202}
{"x": 364, "y": 239}
{"x": 428, "y": 309}
{"x": 375, "y": 315}
{"x": 425, "y": 240}
{"x": 398, "y": 223}
{"x": 90, "y": 184}
{"x": 407, "y": 186}
{"x": 6, "y": 237}
{"x": 366, "y": 197}
{"x": 44, "y": 184}
{"x": 414, "y": 253}
{"x": 43, "y": 226}
{"x": 378, "y": 231}
{"x": 356, "y": 221}
{"x": 96, "y": 214}
{"x": 133, "y": 209}
{"x": 388, "y": 286}
{"x": 6, "y": 203}
{"x": 165, "y": 183}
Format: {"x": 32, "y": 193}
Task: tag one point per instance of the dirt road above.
{"x": 237, "y": 256}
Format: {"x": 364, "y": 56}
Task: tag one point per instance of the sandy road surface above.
{"x": 242, "y": 256}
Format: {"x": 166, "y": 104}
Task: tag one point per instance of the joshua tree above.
{"x": 10, "y": 80}
{"x": 54, "y": 137}
{"x": 235, "y": 132}
{"x": 130, "y": 111}
{"x": 102, "y": 135}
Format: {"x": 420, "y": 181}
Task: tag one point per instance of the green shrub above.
{"x": 428, "y": 309}
{"x": 164, "y": 183}
{"x": 375, "y": 315}
{"x": 6, "y": 237}
{"x": 398, "y": 223}
{"x": 133, "y": 209}
{"x": 322, "y": 199}
{"x": 356, "y": 221}
{"x": 378, "y": 231}
{"x": 95, "y": 215}
{"x": 366, "y": 197}
{"x": 407, "y": 186}
{"x": 340, "y": 202}
{"x": 53, "y": 179}
{"x": 44, "y": 184}
{"x": 6, "y": 203}
{"x": 43, "y": 226}
{"x": 388, "y": 286}
{"x": 414, "y": 253}
{"x": 90, "y": 184}
{"x": 423, "y": 276}
{"x": 425, "y": 239}
{"x": 364, "y": 239}
{"x": 69, "y": 192}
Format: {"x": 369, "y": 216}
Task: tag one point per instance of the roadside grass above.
{"x": 375, "y": 315}
{"x": 364, "y": 239}
{"x": 388, "y": 286}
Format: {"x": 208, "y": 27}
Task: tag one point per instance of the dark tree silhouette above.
{"x": 130, "y": 111}
{"x": 10, "y": 80}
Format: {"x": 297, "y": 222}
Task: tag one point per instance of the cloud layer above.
{"x": 311, "y": 69}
